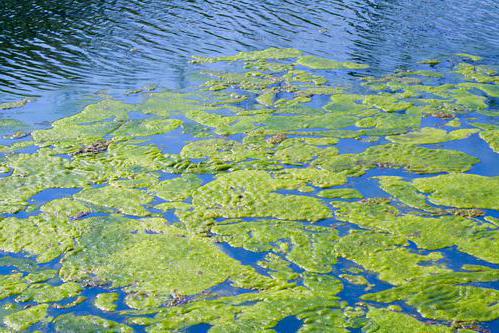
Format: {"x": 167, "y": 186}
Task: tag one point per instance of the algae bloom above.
{"x": 345, "y": 206}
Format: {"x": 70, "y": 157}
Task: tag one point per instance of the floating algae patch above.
{"x": 447, "y": 296}
{"x": 417, "y": 159}
{"x": 8, "y": 126}
{"x": 387, "y": 321}
{"x": 45, "y": 236}
{"x": 23, "y": 319}
{"x": 315, "y": 303}
{"x": 253, "y": 194}
{"x": 343, "y": 193}
{"x": 428, "y": 135}
{"x": 386, "y": 255}
{"x": 426, "y": 232}
{"x": 323, "y": 63}
{"x": 45, "y": 293}
{"x": 14, "y": 105}
{"x": 107, "y": 301}
{"x": 405, "y": 192}
{"x": 124, "y": 200}
{"x": 307, "y": 246}
{"x": 87, "y": 324}
{"x": 258, "y": 170}
{"x": 151, "y": 260}
{"x": 461, "y": 190}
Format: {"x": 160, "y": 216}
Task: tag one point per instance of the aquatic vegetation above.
{"x": 322, "y": 63}
{"x": 447, "y": 296}
{"x": 23, "y": 319}
{"x": 428, "y": 135}
{"x": 426, "y": 232}
{"x": 107, "y": 301}
{"x": 151, "y": 260}
{"x": 253, "y": 194}
{"x": 240, "y": 203}
{"x": 386, "y": 255}
{"x": 386, "y": 321}
{"x": 461, "y": 190}
{"x": 343, "y": 193}
{"x": 71, "y": 323}
{"x": 14, "y": 105}
{"x": 307, "y": 246}
{"x": 416, "y": 159}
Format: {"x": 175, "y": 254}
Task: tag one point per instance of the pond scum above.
{"x": 145, "y": 239}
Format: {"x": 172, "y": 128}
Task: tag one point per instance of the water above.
{"x": 70, "y": 46}
{"x": 67, "y": 54}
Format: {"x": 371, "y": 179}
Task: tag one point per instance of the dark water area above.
{"x": 66, "y": 54}
{"x": 75, "y": 46}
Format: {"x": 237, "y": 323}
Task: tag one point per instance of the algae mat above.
{"x": 343, "y": 206}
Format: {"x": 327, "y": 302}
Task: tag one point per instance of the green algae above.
{"x": 45, "y": 236}
{"x": 469, "y": 56}
{"x": 429, "y": 135}
{"x": 271, "y": 157}
{"x": 89, "y": 324}
{"x": 417, "y": 159}
{"x": 106, "y": 301}
{"x": 178, "y": 189}
{"x": 252, "y": 194}
{"x": 278, "y": 267}
{"x": 271, "y": 53}
{"x": 15, "y": 104}
{"x": 343, "y": 193}
{"x": 315, "y": 304}
{"x": 22, "y": 320}
{"x": 386, "y": 321}
{"x": 45, "y": 293}
{"x": 123, "y": 200}
{"x": 146, "y": 127}
{"x": 40, "y": 276}
{"x": 386, "y": 255}
{"x": 307, "y": 247}
{"x": 150, "y": 259}
{"x": 405, "y": 192}
{"x": 478, "y": 73}
{"x": 454, "y": 123}
{"x": 10, "y": 126}
{"x": 11, "y": 285}
{"x": 492, "y": 138}
{"x": 431, "y": 62}
{"x": 323, "y": 63}
{"x": 427, "y": 233}
{"x": 447, "y": 296}
{"x": 461, "y": 190}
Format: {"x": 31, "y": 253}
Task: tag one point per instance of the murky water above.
{"x": 64, "y": 56}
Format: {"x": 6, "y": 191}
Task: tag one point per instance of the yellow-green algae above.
{"x": 428, "y": 135}
{"x": 14, "y": 105}
{"x": 307, "y": 246}
{"x": 89, "y": 324}
{"x": 151, "y": 259}
{"x": 461, "y": 190}
{"x": 323, "y": 63}
{"x": 106, "y": 301}
{"x": 386, "y": 321}
{"x": 281, "y": 156}
{"x": 448, "y": 296}
{"x": 344, "y": 193}
{"x": 426, "y": 232}
{"x": 23, "y": 319}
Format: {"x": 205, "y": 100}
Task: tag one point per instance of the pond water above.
{"x": 317, "y": 166}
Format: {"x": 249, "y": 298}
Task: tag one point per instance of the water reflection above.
{"x": 118, "y": 43}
